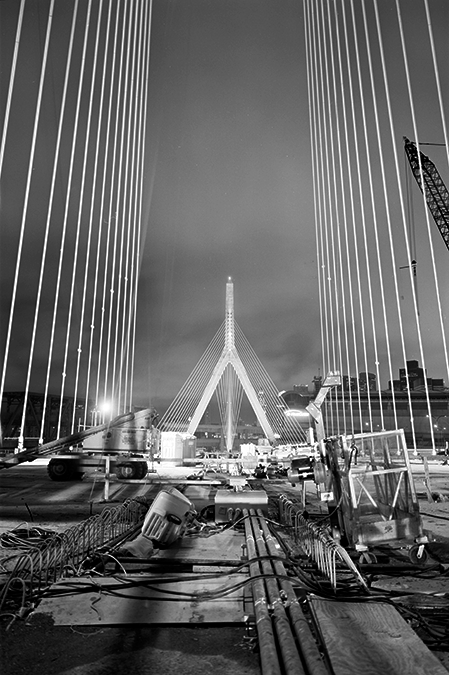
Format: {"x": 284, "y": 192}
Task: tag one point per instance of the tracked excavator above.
{"x": 123, "y": 446}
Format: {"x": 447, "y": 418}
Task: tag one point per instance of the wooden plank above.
{"x": 227, "y": 545}
{"x": 371, "y": 638}
{"x": 140, "y": 605}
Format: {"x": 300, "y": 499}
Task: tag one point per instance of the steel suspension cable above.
{"x": 426, "y": 210}
{"x": 311, "y": 99}
{"x": 127, "y": 205}
{"x": 101, "y": 208}
{"x": 344, "y": 216}
{"x": 120, "y": 213}
{"x": 333, "y": 289}
{"x": 135, "y": 212}
{"x": 358, "y": 184}
{"x": 437, "y": 78}
{"x": 321, "y": 207}
{"x": 126, "y": 312}
{"x": 326, "y": 207}
{"x": 328, "y": 220}
{"x": 110, "y": 218}
{"x": 141, "y": 163}
{"x": 132, "y": 209}
{"x": 195, "y": 383}
{"x": 351, "y": 202}
{"x": 261, "y": 380}
{"x": 344, "y": 267}
{"x": 49, "y": 212}
{"x": 114, "y": 181}
{"x": 388, "y": 220}
{"x": 64, "y": 229}
{"x": 376, "y": 235}
{"x": 26, "y": 200}
{"x": 25, "y": 212}
{"x": 401, "y": 201}
{"x": 12, "y": 78}
{"x": 363, "y": 220}
{"x": 92, "y": 201}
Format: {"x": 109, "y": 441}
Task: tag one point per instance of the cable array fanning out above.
{"x": 88, "y": 196}
{"x": 358, "y": 98}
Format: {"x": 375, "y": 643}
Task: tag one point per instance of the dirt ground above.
{"x": 61, "y": 650}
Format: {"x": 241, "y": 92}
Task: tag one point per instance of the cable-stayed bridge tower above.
{"x": 230, "y": 359}
{"x": 230, "y": 368}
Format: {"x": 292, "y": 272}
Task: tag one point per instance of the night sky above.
{"x": 231, "y": 189}
{"x": 228, "y": 185}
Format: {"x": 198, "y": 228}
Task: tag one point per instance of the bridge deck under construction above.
{"x": 252, "y": 578}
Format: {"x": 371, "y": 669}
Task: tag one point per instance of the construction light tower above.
{"x": 228, "y": 360}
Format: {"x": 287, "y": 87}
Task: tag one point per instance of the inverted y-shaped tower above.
{"x": 230, "y": 359}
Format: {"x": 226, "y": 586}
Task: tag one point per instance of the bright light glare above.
{"x": 105, "y": 407}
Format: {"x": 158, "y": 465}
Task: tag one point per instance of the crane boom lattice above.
{"x": 435, "y": 191}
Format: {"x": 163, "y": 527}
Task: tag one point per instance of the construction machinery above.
{"x": 432, "y": 185}
{"x": 122, "y": 446}
{"x": 367, "y": 482}
{"x": 368, "y": 485}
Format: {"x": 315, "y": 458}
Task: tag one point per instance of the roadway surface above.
{"x": 27, "y": 493}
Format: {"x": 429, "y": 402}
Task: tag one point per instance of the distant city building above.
{"x": 404, "y": 405}
{"x": 414, "y": 378}
{"x": 367, "y": 382}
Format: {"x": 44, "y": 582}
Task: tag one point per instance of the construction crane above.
{"x": 435, "y": 191}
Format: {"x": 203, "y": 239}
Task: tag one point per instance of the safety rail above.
{"x": 62, "y": 554}
{"x": 317, "y": 543}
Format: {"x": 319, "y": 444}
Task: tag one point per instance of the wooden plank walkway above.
{"x": 138, "y": 604}
{"x": 141, "y": 605}
{"x": 371, "y": 638}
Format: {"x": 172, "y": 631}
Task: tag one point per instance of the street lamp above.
{"x": 436, "y": 425}
{"x": 105, "y": 410}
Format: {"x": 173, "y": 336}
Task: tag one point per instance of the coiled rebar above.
{"x": 44, "y": 565}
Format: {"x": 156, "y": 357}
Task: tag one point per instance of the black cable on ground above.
{"x": 26, "y": 537}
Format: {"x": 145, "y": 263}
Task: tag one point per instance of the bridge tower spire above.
{"x": 230, "y": 359}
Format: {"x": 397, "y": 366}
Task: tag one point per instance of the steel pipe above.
{"x": 268, "y": 653}
{"x": 307, "y": 644}
{"x": 291, "y": 659}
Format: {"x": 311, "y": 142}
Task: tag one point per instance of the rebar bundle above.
{"x": 61, "y": 555}
{"x": 317, "y": 542}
